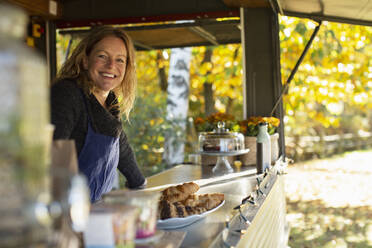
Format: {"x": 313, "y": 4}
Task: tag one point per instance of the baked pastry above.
{"x": 177, "y": 210}
{"x": 179, "y": 192}
{"x": 191, "y": 201}
{"x": 180, "y": 201}
{"x": 207, "y": 201}
{"x": 210, "y": 201}
{"x": 171, "y": 209}
{"x": 195, "y": 210}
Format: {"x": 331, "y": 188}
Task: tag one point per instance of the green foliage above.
{"x": 224, "y": 71}
{"x": 334, "y": 80}
{"x": 146, "y": 132}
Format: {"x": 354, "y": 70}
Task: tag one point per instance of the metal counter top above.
{"x": 200, "y": 174}
{"x": 226, "y": 223}
{"x": 236, "y": 186}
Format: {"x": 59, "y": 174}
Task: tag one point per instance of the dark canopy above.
{"x": 195, "y": 22}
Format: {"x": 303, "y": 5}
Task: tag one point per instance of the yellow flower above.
{"x": 274, "y": 121}
{"x": 249, "y": 127}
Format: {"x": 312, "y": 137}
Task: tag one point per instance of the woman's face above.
{"x": 106, "y": 63}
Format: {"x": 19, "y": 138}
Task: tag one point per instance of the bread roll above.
{"x": 177, "y": 210}
{"x": 171, "y": 210}
{"x": 207, "y": 201}
{"x": 179, "y": 192}
{"x": 180, "y": 201}
{"x": 210, "y": 201}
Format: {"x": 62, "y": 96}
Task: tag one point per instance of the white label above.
{"x": 99, "y": 231}
{"x": 52, "y": 7}
{"x": 266, "y": 155}
{"x": 224, "y": 145}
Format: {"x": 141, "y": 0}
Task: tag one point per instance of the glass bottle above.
{"x": 24, "y": 136}
{"x": 263, "y": 148}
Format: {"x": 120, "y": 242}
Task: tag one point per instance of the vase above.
{"x": 251, "y": 143}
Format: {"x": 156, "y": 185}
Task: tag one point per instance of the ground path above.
{"x": 329, "y": 201}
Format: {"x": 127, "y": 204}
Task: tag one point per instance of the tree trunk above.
{"x": 161, "y": 72}
{"x": 229, "y": 105}
{"x": 177, "y": 105}
{"x": 207, "y": 86}
{"x": 208, "y": 99}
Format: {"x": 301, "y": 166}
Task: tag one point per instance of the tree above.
{"x": 334, "y": 79}
{"x": 216, "y": 75}
{"x": 177, "y": 104}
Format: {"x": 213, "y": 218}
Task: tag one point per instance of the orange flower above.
{"x": 219, "y": 117}
{"x": 199, "y": 120}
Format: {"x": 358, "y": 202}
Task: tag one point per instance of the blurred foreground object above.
{"x": 147, "y": 204}
{"x": 30, "y": 216}
{"x": 24, "y": 137}
{"x": 111, "y": 225}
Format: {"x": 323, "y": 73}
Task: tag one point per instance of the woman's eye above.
{"x": 120, "y": 61}
{"x": 102, "y": 56}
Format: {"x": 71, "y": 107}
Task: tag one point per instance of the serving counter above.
{"x": 253, "y": 214}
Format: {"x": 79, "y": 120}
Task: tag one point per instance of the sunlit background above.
{"x": 328, "y": 111}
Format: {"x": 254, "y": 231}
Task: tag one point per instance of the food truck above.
{"x": 252, "y": 211}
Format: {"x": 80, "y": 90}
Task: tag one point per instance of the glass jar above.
{"x": 115, "y": 223}
{"x": 221, "y": 140}
{"x": 147, "y": 203}
{"x": 24, "y": 124}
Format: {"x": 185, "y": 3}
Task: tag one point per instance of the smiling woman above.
{"x": 106, "y": 66}
{"x": 85, "y": 108}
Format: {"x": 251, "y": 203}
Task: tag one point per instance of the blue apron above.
{"x": 98, "y": 161}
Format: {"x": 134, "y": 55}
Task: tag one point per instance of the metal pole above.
{"x": 68, "y": 48}
{"x": 51, "y": 49}
{"x": 293, "y": 72}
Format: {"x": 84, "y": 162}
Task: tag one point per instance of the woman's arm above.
{"x": 128, "y": 165}
{"x": 65, "y": 108}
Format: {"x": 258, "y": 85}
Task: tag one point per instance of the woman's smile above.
{"x": 108, "y": 75}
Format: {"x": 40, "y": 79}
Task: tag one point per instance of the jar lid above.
{"x": 221, "y": 132}
{"x": 220, "y": 135}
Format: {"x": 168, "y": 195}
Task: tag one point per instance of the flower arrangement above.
{"x": 209, "y": 123}
{"x": 249, "y": 127}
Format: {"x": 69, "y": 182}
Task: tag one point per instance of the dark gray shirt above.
{"x": 69, "y": 115}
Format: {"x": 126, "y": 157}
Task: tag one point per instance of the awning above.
{"x": 165, "y": 24}
{"x": 345, "y": 11}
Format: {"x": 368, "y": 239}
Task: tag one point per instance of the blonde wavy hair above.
{"x": 73, "y": 67}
